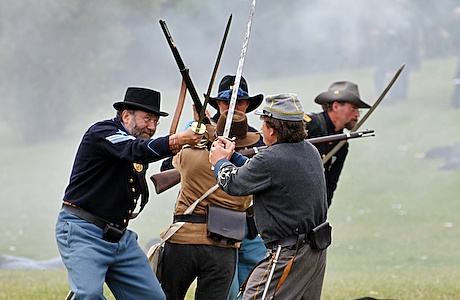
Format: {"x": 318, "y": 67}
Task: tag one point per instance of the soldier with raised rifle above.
{"x": 252, "y": 249}
{"x": 196, "y": 250}
{"x": 341, "y": 110}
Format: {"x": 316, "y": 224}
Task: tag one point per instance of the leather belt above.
{"x": 79, "y": 212}
{"x": 290, "y": 241}
{"x": 190, "y": 218}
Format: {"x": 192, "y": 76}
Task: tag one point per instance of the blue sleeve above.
{"x": 238, "y": 159}
{"x": 188, "y": 125}
{"x": 111, "y": 141}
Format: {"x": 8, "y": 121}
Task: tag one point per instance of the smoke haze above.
{"x": 64, "y": 63}
{"x": 75, "y": 57}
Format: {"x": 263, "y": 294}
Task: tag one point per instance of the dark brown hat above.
{"x": 225, "y": 93}
{"x": 141, "y": 99}
{"x": 342, "y": 91}
{"x": 239, "y": 129}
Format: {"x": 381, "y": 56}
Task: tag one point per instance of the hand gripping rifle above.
{"x": 167, "y": 179}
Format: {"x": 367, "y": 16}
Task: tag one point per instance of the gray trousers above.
{"x": 305, "y": 280}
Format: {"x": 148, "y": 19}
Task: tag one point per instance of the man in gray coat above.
{"x": 287, "y": 183}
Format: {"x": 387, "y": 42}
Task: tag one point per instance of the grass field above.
{"x": 396, "y": 230}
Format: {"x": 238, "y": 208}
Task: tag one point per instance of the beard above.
{"x": 351, "y": 124}
{"x": 143, "y": 134}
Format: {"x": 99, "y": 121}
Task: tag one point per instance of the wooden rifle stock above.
{"x": 167, "y": 179}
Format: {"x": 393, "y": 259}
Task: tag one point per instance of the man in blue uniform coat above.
{"x": 107, "y": 188}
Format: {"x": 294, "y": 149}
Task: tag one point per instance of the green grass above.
{"x": 22, "y": 285}
{"x": 394, "y": 216}
{"x": 399, "y": 283}
{"x": 392, "y": 284}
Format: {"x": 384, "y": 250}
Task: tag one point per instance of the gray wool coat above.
{"x": 287, "y": 183}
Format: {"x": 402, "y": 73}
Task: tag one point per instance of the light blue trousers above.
{"x": 91, "y": 261}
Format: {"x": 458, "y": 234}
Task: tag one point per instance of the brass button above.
{"x": 138, "y": 167}
{"x": 133, "y": 190}
{"x": 131, "y": 180}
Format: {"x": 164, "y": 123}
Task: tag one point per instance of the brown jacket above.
{"x": 197, "y": 178}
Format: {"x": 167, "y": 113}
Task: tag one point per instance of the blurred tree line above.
{"x": 53, "y": 54}
{"x": 56, "y": 55}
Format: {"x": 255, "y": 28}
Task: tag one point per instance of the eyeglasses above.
{"x": 353, "y": 109}
{"x": 149, "y": 120}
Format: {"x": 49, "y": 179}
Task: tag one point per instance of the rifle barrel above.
{"x": 363, "y": 119}
{"x": 183, "y": 70}
{"x": 167, "y": 179}
{"x": 316, "y": 140}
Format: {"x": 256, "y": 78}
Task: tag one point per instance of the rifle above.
{"x": 356, "y": 127}
{"x": 167, "y": 179}
{"x": 250, "y": 152}
{"x": 198, "y": 126}
{"x": 183, "y": 70}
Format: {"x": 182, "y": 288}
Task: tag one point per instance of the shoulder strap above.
{"x": 208, "y": 192}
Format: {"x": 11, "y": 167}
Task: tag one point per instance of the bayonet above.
{"x": 199, "y": 123}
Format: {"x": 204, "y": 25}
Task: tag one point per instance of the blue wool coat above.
{"x": 108, "y": 175}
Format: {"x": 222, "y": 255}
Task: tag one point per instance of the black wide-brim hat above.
{"x": 342, "y": 91}
{"x": 141, "y": 99}
{"x": 226, "y": 84}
